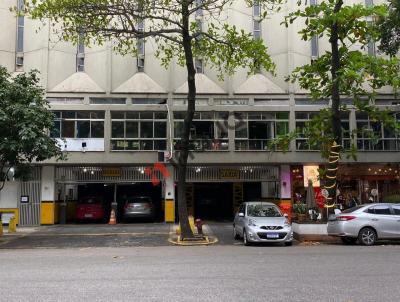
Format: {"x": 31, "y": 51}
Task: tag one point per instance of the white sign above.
{"x": 311, "y": 172}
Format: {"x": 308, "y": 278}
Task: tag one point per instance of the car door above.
{"x": 383, "y": 221}
{"x": 396, "y": 214}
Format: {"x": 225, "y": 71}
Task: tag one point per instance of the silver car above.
{"x": 366, "y": 223}
{"x": 139, "y": 207}
{"x": 259, "y": 221}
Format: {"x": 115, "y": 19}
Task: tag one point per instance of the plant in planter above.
{"x": 301, "y": 210}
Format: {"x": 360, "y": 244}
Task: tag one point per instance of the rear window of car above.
{"x": 379, "y": 210}
{"x": 90, "y": 200}
{"x": 353, "y": 209}
{"x": 139, "y": 200}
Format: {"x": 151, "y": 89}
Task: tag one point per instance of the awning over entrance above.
{"x": 231, "y": 173}
{"x": 107, "y": 174}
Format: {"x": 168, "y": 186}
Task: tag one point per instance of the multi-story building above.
{"x": 118, "y": 115}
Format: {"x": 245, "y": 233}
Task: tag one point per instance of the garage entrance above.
{"x": 215, "y": 193}
{"x": 105, "y": 185}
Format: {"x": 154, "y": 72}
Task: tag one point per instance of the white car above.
{"x": 259, "y": 221}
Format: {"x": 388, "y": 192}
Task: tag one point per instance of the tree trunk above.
{"x": 335, "y": 147}
{"x": 186, "y": 231}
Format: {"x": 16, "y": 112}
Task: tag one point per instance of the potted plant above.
{"x": 301, "y": 210}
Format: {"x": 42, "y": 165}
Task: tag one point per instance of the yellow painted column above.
{"x": 47, "y": 212}
{"x": 169, "y": 210}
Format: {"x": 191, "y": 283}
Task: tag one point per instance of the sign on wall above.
{"x": 229, "y": 174}
{"x": 311, "y": 172}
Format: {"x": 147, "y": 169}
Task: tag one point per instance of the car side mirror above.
{"x": 285, "y": 215}
{"x": 241, "y": 214}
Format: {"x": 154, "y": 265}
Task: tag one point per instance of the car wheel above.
{"x": 245, "y": 238}
{"x": 289, "y": 243}
{"x": 235, "y": 234}
{"x": 367, "y": 236}
{"x": 348, "y": 240}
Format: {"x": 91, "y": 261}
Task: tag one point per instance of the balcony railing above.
{"x": 384, "y": 144}
{"x": 138, "y": 144}
{"x": 205, "y": 144}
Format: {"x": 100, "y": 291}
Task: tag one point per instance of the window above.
{"x": 373, "y": 136}
{"x": 396, "y": 209}
{"x": 78, "y": 124}
{"x": 138, "y": 130}
{"x": 371, "y": 44}
{"x": 302, "y": 143}
{"x": 107, "y": 101}
{"x": 379, "y": 210}
{"x": 314, "y": 39}
{"x": 199, "y": 11}
{"x": 80, "y": 54}
{"x": 256, "y": 9}
{"x": 19, "y": 48}
{"x": 209, "y": 131}
{"x": 140, "y": 44}
{"x": 256, "y": 29}
{"x": 255, "y": 130}
{"x": 198, "y": 65}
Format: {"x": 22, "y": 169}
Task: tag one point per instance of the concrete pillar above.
{"x": 48, "y": 184}
{"x": 285, "y": 183}
{"x": 169, "y": 196}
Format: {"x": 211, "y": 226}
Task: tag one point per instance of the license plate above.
{"x": 88, "y": 215}
{"x": 272, "y": 235}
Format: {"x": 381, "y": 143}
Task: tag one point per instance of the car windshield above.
{"x": 353, "y": 209}
{"x": 262, "y": 210}
{"x": 90, "y": 200}
{"x": 139, "y": 200}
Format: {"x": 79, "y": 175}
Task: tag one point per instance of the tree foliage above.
{"x": 389, "y": 27}
{"x": 355, "y": 75}
{"x": 25, "y": 122}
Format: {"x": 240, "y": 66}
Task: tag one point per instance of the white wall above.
{"x": 9, "y": 195}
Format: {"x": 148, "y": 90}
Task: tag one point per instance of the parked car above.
{"x": 259, "y": 221}
{"x": 366, "y": 223}
{"x": 90, "y": 208}
{"x": 139, "y": 207}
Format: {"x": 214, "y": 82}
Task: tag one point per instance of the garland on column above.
{"x": 331, "y": 175}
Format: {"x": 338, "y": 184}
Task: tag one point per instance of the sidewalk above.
{"x": 87, "y": 235}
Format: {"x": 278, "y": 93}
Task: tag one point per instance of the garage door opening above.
{"x": 140, "y": 190}
{"x": 213, "y": 201}
{"x": 97, "y": 199}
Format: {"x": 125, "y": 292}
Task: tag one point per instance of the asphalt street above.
{"x": 207, "y": 273}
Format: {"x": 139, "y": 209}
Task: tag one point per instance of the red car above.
{"x": 90, "y": 208}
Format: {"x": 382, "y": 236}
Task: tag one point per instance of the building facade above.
{"x": 116, "y": 116}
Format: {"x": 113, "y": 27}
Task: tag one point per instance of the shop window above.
{"x": 138, "y": 130}
{"x": 255, "y": 130}
{"x": 78, "y": 124}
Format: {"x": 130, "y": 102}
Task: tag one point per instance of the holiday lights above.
{"x": 331, "y": 174}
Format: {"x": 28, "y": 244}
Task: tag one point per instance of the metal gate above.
{"x": 29, "y": 201}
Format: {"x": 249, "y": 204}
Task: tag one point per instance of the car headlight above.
{"x": 252, "y": 222}
{"x": 287, "y": 224}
